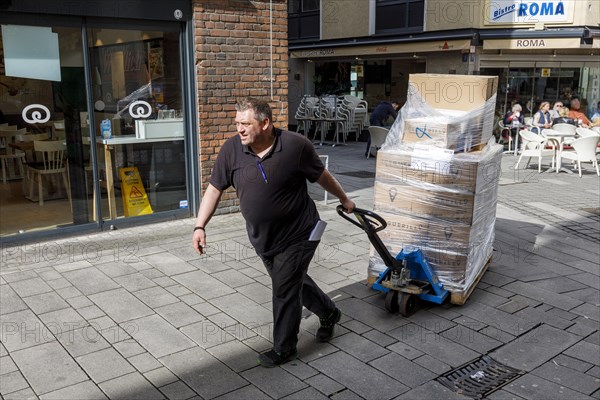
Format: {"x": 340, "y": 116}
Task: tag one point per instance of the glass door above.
{"x": 137, "y": 97}
{"x": 44, "y": 138}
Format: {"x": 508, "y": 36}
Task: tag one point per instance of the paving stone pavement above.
{"x": 136, "y": 314}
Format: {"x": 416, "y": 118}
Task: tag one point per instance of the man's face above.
{"x": 248, "y": 127}
{"x": 575, "y": 104}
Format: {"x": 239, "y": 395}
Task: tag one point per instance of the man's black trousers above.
{"x": 292, "y": 289}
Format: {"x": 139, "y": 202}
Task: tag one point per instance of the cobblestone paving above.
{"x": 135, "y": 313}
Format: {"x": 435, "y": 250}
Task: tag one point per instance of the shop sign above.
{"x": 318, "y": 53}
{"x": 525, "y": 44}
{"x": 396, "y": 48}
{"x": 545, "y": 72}
{"x": 528, "y": 12}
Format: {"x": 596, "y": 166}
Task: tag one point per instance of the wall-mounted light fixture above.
{"x": 415, "y": 55}
{"x": 554, "y": 53}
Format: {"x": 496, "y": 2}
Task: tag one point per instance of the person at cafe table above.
{"x": 563, "y": 117}
{"x": 542, "y": 119}
{"x": 513, "y": 117}
{"x": 576, "y": 114}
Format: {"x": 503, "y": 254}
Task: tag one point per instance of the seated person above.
{"x": 576, "y": 114}
{"x": 512, "y": 117}
{"x": 542, "y": 118}
{"x": 555, "y": 108}
{"x": 563, "y": 117}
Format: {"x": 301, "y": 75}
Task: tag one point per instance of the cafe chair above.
{"x": 9, "y": 157}
{"x": 58, "y": 129}
{"x": 53, "y": 163}
{"x": 305, "y": 114}
{"x": 584, "y": 150}
{"x": 534, "y": 145}
{"x": 585, "y": 132}
{"x": 378, "y": 135}
{"x": 565, "y": 128}
{"x": 505, "y": 134}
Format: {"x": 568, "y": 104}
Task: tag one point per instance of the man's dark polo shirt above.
{"x": 278, "y": 210}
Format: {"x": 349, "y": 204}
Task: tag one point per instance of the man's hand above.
{"x": 199, "y": 241}
{"x": 348, "y": 205}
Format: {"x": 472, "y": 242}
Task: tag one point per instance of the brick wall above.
{"x": 233, "y": 60}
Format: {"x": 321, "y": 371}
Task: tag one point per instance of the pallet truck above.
{"x": 408, "y": 277}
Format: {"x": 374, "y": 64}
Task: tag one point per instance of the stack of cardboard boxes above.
{"x": 437, "y": 178}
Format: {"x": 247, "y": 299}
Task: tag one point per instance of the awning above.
{"x": 532, "y": 44}
{"x": 383, "y": 49}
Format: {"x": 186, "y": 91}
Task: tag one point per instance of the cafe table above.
{"x": 559, "y": 139}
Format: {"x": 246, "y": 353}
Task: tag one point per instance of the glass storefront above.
{"x": 92, "y": 127}
{"x": 530, "y": 86}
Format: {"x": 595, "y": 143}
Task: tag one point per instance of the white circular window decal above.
{"x": 140, "y": 109}
{"x": 36, "y": 115}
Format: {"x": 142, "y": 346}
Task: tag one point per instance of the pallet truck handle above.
{"x": 366, "y": 222}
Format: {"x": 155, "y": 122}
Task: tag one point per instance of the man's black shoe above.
{"x": 272, "y": 358}
{"x": 325, "y": 332}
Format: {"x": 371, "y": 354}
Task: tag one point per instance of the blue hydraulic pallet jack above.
{"x": 408, "y": 277}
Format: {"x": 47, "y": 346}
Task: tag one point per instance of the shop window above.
{"x": 303, "y": 19}
{"x": 394, "y": 16}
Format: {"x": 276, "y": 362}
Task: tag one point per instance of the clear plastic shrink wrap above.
{"x": 439, "y": 201}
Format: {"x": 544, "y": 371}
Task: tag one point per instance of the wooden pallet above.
{"x": 461, "y": 297}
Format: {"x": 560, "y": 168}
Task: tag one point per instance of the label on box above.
{"x": 423, "y": 155}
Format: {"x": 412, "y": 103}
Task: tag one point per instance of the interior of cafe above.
{"x": 91, "y": 125}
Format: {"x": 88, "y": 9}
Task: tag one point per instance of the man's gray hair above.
{"x": 261, "y": 108}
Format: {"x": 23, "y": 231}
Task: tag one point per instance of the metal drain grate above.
{"x": 359, "y": 174}
{"x": 479, "y": 378}
{"x": 595, "y": 211}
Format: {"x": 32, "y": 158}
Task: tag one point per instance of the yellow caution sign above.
{"x": 135, "y": 200}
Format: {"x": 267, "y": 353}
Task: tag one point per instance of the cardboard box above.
{"x": 448, "y": 132}
{"x": 462, "y": 115}
{"x": 466, "y": 172}
{"x": 424, "y": 201}
{"x": 442, "y": 203}
{"x": 453, "y": 92}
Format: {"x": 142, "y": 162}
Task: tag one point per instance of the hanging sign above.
{"x": 135, "y": 200}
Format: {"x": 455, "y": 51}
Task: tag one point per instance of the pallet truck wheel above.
{"x": 407, "y": 304}
{"x": 391, "y": 302}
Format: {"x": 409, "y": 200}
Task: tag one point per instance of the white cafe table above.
{"x": 109, "y": 145}
{"x": 559, "y": 138}
{"x": 518, "y": 126}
